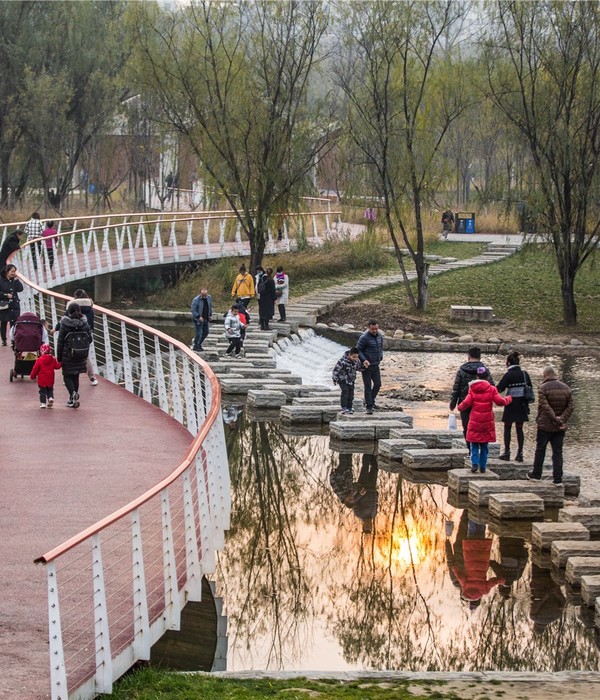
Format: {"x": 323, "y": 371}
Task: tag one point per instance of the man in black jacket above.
{"x": 370, "y": 351}
{"x": 12, "y": 243}
{"x": 467, "y": 372}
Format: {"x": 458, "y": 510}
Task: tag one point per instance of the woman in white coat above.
{"x": 282, "y": 290}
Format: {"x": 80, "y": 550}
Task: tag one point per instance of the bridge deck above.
{"x": 62, "y": 470}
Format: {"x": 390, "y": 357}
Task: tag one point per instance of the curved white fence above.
{"x": 116, "y": 587}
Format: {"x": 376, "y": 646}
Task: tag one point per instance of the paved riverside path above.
{"x": 61, "y": 470}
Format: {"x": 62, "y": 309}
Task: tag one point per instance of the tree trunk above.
{"x": 257, "y": 249}
{"x": 422, "y": 285}
{"x": 568, "y": 297}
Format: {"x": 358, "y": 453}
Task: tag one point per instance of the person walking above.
{"x": 86, "y": 305}
{"x": 481, "y": 429}
{"x": 282, "y": 288}
{"x": 201, "y": 315}
{"x": 34, "y": 230}
{"x": 233, "y": 331}
{"x": 555, "y": 406}
{"x": 447, "y": 221}
{"x": 268, "y": 296}
{"x": 72, "y": 349}
{"x": 10, "y": 306}
{"x": 260, "y": 271}
{"x": 466, "y": 373}
{"x": 344, "y": 375}
{"x": 514, "y": 381}
{"x": 43, "y": 369}
{"x": 243, "y": 286}
{"x": 49, "y": 234}
{"x": 370, "y": 351}
{"x": 11, "y": 243}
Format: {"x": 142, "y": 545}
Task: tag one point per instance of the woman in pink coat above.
{"x": 482, "y": 428}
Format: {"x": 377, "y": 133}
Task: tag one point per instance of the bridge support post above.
{"x": 103, "y": 288}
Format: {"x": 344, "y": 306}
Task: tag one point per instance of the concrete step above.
{"x": 589, "y": 517}
{"x": 480, "y": 492}
{"x": 590, "y": 589}
{"x": 561, "y": 550}
{"x": 578, "y": 566}
{"x": 459, "y": 479}
{"x": 432, "y": 459}
{"x": 516, "y": 506}
{"x": 544, "y": 534}
{"x": 365, "y": 429}
{"x": 262, "y": 398}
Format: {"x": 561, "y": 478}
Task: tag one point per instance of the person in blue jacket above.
{"x": 201, "y": 315}
{"x": 370, "y": 351}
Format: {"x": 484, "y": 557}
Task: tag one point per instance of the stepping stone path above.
{"x": 516, "y": 506}
{"x": 544, "y": 534}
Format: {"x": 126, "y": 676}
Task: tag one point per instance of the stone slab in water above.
{"x": 589, "y": 500}
{"x": 590, "y": 517}
{"x": 506, "y": 470}
{"x": 432, "y": 459}
{"x": 324, "y": 399}
{"x": 544, "y": 534}
{"x": 302, "y": 414}
{"x": 563, "y": 549}
{"x": 315, "y": 389}
{"x": 516, "y": 506}
{"x": 354, "y": 447}
{"x": 432, "y": 438}
{"x": 415, "y": 476}
{"x": 290, "y": 390}
{"x": 242, "y": 386}
{"x": 590, "y": 589}
{"x": 520, "y": 529}
{"x": 457, "y": 500}
{"x": 578, "y": 566}
{"x": 266, "y": 399}
{"x": 388, "y": 416}
{"x": 394, "y": 449}
{"x": 458, "y": 479}
{"x": 304, "y": 428}
{"x": 480, "y": 492}
{"x": 346, "y": 430}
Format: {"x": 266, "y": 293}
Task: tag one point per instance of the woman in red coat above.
{"x": 481, "y": 429}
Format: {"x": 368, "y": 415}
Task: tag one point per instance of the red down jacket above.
{"x": 480, "y": 399}
{"x": 44, "y": 368}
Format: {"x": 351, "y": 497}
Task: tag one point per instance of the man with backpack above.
{"x": 72, "y": 349}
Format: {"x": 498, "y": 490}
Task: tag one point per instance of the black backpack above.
{"x": 261, "y": 288}
{"x": 77, "y": 345}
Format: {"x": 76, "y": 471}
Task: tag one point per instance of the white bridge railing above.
{"x": 116, "y": 587}
{"x": 90, "y": 246}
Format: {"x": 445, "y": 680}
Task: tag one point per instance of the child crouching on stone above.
{"x": 43, "y": 369}
{"x": 344, "y": 374}
{"x": 481, "y": 429}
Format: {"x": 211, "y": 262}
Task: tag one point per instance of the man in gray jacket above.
{"x": 370, "y": 351}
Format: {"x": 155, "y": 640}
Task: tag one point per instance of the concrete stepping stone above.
{"x": 516, "y": 506}
{"x": 590, "y": 589}
{"x": 243, "y": 386}
{"x": 432, "y": 438}
{"x": 561, "y": 550}
{"x": 423, "y": 477}
{"x": 459, "y": 479}
{"x": 456, "y": 499}
{"x": 394, "y": 449}
{"x": 507, "y": 470}
{"x": 589, "y": 517}
{"x": 387, "y": 416}
{"x": 590, "y": 500}
{"x": 480, "y": 491}
{"x": 308, "y": 414}
{"x": 290, "y": 390}
{"x": 324, "y": 399}
{"x": 432, "y": 459}
{"x": 544, "y": 534}
{"x": 512, "y": 528}
{"x": 364, "y": 429}
{"x": 354, "y": 447}
{"x": 578, "y": 566}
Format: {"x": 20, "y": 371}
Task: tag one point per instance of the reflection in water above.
{"x": 333, "y": 564}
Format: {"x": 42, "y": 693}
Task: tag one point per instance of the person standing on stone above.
{"x": 243, "y": 287}
{"x": 344, "y": 375}
{"x": 514, "y": 381}
{"x": 370, "y": 351}
{"x": 233, "y": 331}
{"x": 260, "y": 271}
{"x": 282, "y": 289}
{"x": 555, "y": 406}
{"x": 481, "y": 430}
{"x": 466, "y": 373}
{"x": 201, "y": 315}
{"x": 268, "y": 296}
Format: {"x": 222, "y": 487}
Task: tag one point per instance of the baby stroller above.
{"x": 26, "y": 337}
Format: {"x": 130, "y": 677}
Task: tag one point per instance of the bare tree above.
{"x": 543, "y": 62}
{"x": 403, "y": 94}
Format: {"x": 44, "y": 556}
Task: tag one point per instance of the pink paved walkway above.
{"x": 60, "y": 471}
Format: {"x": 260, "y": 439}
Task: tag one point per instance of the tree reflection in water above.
{"x": 333, "y": 564}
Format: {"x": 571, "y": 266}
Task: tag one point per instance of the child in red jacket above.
{"x": 481, "y": 428}
{"x": 43, "y": 369}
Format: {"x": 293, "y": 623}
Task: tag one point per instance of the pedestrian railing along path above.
{"x": 114, "y": 588}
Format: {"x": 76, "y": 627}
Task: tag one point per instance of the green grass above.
{"x": 523, "y": 289}
{"x": 150, "y": 684}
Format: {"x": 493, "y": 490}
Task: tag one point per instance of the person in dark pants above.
{"x": 555, "y": 406}
{"x": 344, "y": 375}
{"x": 514, "y": 381}
{"x": 370, "y": 351}
{"x": 10, "y": 306}
{"x": 201, "y": 315}
{"x": 466, "y": 373}
{"x": 266, "y": 303}
{"x": 12, "y": 243}
{"x": 73, "y": 360}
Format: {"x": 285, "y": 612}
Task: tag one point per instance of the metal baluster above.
{"x": 101, "y": 630}
{"x": 127, "y": 365}
{"x": 141, "y": 623}
{"x": 58, "y": 673}
{"x": 172, "y": 615}
{"x": 193, "y": 570}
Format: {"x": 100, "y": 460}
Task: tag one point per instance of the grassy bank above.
{"x": 310, "y": 270}
{"x": 524, "y": 290}
{"x": 150, "y": 684}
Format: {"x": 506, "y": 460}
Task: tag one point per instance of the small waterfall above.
{"x": 309, "y": 355}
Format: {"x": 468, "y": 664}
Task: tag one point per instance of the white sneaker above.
{"x": 75, "y": 400}
{"x": 94, "y": 381}
{"x": 42, "y": 405}
{"x": 50, "y": 403}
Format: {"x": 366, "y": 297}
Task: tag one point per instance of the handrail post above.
{"x": 58, "y": 673}
{"x": 104, "y": 675}
{"x": 193, "y": 571}
{"x": 141, "y": 620}
{"x": 172, "y": 613}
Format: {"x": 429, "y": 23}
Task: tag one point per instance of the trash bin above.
{"x": 464, "y": 222}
